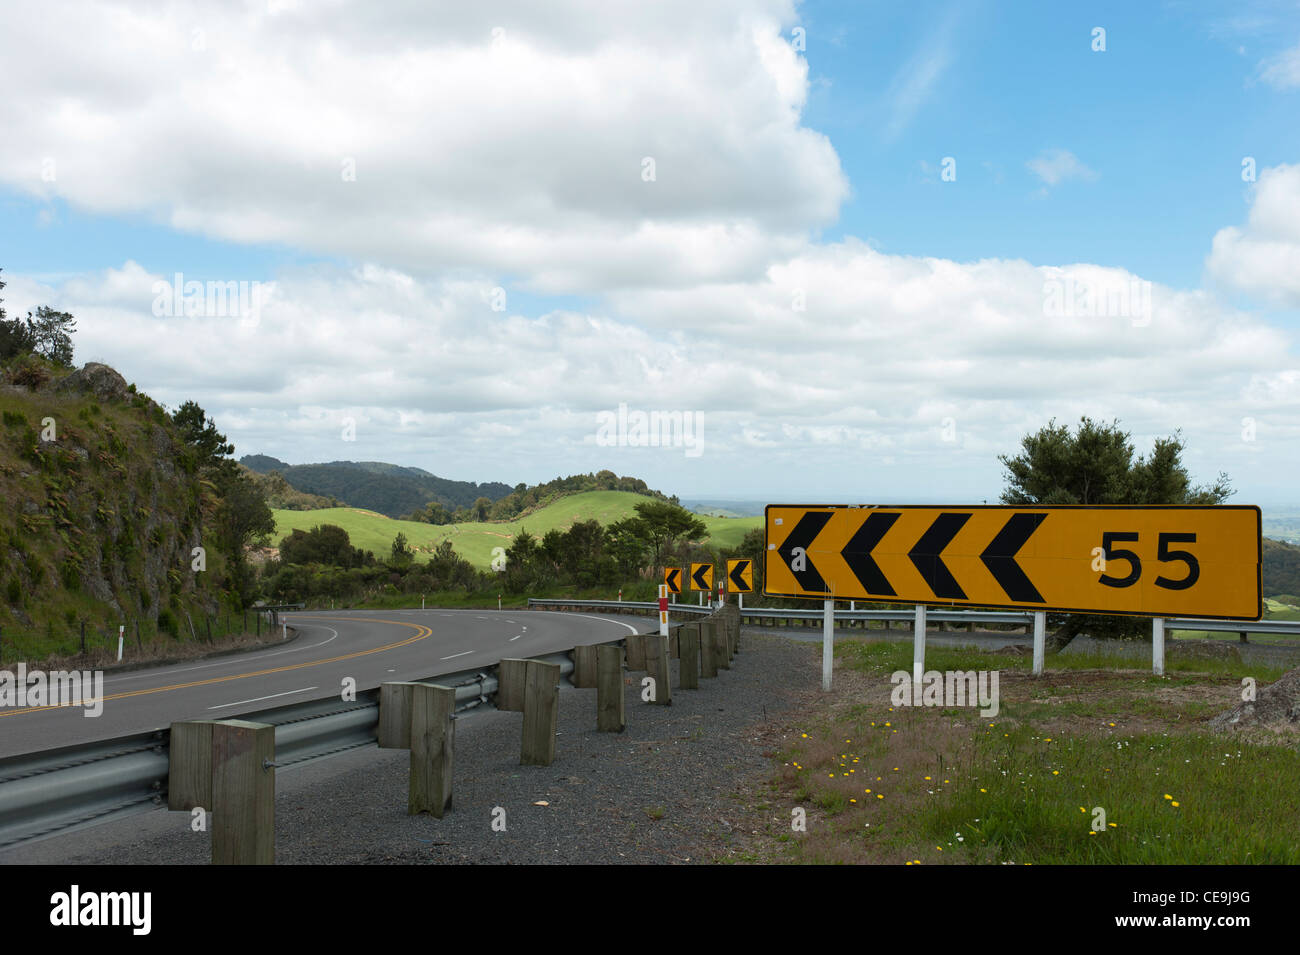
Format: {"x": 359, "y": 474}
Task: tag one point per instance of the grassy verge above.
{"x": 1094, "y": 763}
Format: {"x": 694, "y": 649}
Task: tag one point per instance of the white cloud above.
{"x": 1263, "y": 257}
{"x": 888, "y": 348}
{"x": 1283, "y": 70}
{"x": 914, "y": 84}
{"x": 1055, "y": 166}
{"x": 506, "y": 141}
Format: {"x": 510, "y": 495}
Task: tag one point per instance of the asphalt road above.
{"x": 371, "y": 647}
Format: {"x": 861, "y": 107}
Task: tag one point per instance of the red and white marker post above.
{"x": 663, "y": 610}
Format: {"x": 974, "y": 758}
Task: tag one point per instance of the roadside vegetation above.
{"x": 943, "y": 785}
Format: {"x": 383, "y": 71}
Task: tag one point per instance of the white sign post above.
{"x": 828, "y": 641}
{"x": 1040, "y": 640}
{"x": 1158, "y": 646}
{"x": 918, "y": 649}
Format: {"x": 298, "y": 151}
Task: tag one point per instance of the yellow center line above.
{"x": 421, "y": 633}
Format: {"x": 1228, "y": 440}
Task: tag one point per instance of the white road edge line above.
{"x": 234, "y": 659}
{"x": 590, "y": 617}
{"x": 222, "y": 706}
{"x": 455, "y": 655}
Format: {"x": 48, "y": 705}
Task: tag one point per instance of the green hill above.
{"x": 104, "y": 506}
{"x": 475, "y": 541}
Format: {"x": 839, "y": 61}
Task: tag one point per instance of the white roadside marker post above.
{"x": 121, "y": 634}
{"x": 1040, "y": 640}
{"x": 1158, "y": 646}
{"x": 828, "y": 642}
{"x": 918, "y": 650}
{"x": 663, "y": 610}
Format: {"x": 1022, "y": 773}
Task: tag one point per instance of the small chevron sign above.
{"x": 673, "y": 579}
{"x": 1145, "y": 561}
{"x": 701, "y": 576}
{"x": 740, "y": 576}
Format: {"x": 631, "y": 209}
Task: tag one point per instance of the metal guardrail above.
{"x": 783, "y": 613}
{"x": 62, "y": 790}
{"x": 933, "y": 614}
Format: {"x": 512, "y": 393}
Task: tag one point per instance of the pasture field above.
{"x": 475, "y": 541}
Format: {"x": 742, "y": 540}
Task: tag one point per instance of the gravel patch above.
{"x": 675, "y": 787}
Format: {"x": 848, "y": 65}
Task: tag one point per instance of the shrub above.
{"x": 30, "y": 372}
{"x": 167, "y": 623}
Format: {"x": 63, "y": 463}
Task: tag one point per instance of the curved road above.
{"x": 371, "y": 647}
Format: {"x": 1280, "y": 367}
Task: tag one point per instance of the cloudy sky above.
{"x": 859, "y": 248}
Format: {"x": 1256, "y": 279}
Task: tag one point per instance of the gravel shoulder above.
{"x": 677, "y": 786}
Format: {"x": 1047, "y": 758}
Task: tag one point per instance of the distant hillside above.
{"x": 279, "y": 493}
{"x": 726, "y": 508}
{"x": 263, "y": 463}
{"x": 389, "y": 489}
{"x": 474, "y": 541}
{"x": 1281, "y": 568}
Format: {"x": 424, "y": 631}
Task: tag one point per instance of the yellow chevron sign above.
{"x": 1147, "y": 561}
{"x": 740, "y": 576}
{"x": 701, "y": 576}
{"x": 673, "y": 578}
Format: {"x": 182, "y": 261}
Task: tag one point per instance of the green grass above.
{"x": 889, "y": 657}
{"x": 1023, "y": 799}
{"x": 475, "y": 541}
{"x": 936, "y": 785}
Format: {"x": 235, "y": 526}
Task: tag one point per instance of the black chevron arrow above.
{"x": 672, "y": 583}
{"x": 699, "y": 575}
{"x": 857, "y": 554}
{"x": 1000, "y": 557}
{"x": 737, "y": 575}
{"x": 926, "y": 555}
{"x": 804, "y": 532}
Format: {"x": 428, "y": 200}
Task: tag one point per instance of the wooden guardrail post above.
{"x": 688, "y": 641}
{"x": 636, "y": 651}
{"x": 584, "y": 667}
{"x": 610, "y": 706}
{"x": 433, "y": 736}
{"x": 189, "y": 769}
{"x": 419, "y": 717}
{"x": 659, "y": 668}
{"x": 541, "y": 713}
{"x": 708, "y": 649}
{"x": 721, "y": 645}
{"x": 395, "y": 715}
{"x": 226, "y": 768}
{"x": 243, "y": 793}
{"x": 510, "y": 684}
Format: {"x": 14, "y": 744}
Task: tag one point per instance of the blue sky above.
{"x": 801, "y": 151}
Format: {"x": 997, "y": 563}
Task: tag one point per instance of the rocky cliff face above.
{"x": 103, "y": 507}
